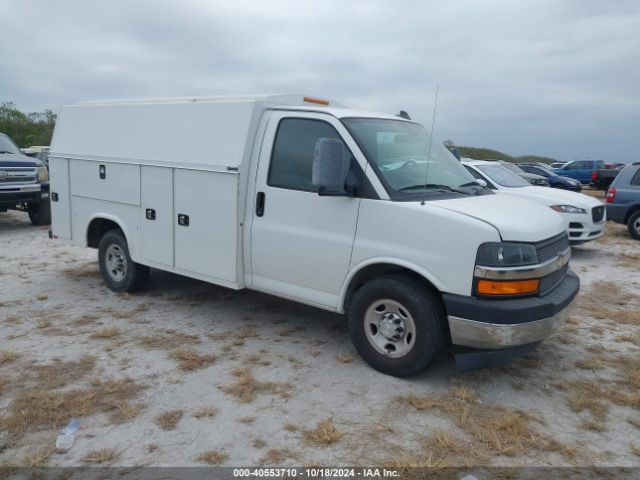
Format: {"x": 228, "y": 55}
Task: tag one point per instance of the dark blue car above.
{"x": 555, "y": 180}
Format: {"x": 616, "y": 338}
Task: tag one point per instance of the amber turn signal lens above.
{"x": 518, "y": 287}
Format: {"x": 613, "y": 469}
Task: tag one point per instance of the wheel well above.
{"x": 382, "y": 269}
{"x": 97, "y": 228}
{"x": 630, "y": 212}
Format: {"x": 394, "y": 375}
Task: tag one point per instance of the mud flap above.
{"x": 468, "y": 360}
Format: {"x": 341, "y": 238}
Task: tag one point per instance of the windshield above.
{"x": 399, "y": 151}
{"x": 7, "y": 146}
{"x": 502, "y": 176}
{"x": 514, "y": 168}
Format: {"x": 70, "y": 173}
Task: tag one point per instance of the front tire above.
{"x": 39, "y": 213}
{"x": 633, "y": 225}
{"x": 119, "y": 271}
{"x": 396, "y": 325}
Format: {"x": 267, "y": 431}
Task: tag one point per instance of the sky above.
{"x": 546, "y": 77}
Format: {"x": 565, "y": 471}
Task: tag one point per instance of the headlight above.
{"x": 505, "y": 254}
{"x": 43, "y": 174}
{"x": 568, "y": 209}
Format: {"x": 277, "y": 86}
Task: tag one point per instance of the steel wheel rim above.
{"x": 115, "y": 262}
{"x": 636, "y": 225}
{"x": 390, "y": 328}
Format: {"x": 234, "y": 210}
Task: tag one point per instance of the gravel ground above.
{"x": 187, "y": 373}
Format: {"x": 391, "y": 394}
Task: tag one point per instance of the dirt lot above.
{"x": 186, "y": 373}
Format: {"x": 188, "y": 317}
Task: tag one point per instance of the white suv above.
{"x": 585, "y": 216}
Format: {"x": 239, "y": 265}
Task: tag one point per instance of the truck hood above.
{"x": 553, "y": 196}
{"x": 14, "y": 160}
{"x": 516, "y": 219}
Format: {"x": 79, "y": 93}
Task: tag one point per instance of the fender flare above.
{"x": 426, "y": 274}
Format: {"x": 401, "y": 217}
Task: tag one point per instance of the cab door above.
{"x": 301, "y": 242}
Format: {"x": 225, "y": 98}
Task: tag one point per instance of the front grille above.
{"x": 17, "y": 175}
{"x": 597, "y": 214}
{"x": 550, "y": 248}
{"x": 552, "y": 280}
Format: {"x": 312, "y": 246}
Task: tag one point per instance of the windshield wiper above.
{"x": 6, "y": 151}
{"x": 470, "y": 184}
{"x": 435, "y": 186}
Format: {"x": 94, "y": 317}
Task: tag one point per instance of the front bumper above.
{"x": 11, "y": 195}
{"x": 498, "y": 324}
{"x": 582, "y": 228}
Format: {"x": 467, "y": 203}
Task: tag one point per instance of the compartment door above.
{"x": 60, "y": 201}
{"x": 206, "y": 223}
{"x": 157, "y": 214}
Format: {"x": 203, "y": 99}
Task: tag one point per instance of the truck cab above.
{"x": 24, "y": 183}
{"x": 581, "y": 170}
{"x": 359, "y": 213}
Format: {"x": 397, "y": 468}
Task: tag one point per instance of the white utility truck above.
{"x": 351, "y": 211}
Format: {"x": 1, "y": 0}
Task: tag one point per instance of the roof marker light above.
{"x": 319, "y": 101}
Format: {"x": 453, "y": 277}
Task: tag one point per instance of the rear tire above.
{"x": 39, "y": 213}
{"x": 119, "y": 271}
{"x": 633, "y": 225}
{"x": 396, "y": 325}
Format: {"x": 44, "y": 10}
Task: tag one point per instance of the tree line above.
{"x": 27, "y": 129}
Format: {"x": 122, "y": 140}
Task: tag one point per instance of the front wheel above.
{"x": 633, "y": 225}
{"x": 395, "y": 324}
{"x": 39, "y": 213}
{"x": 119, "y": 271}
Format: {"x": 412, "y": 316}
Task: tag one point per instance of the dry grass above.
{"x": 593, "y": 425}
{"x": 495, "y": 429}
{"x": 105, "y": 333}
{"x": 213, "y": 457}
{"x": 59, "y": 374}
{"x": 125, "y": 412}
{"x": 345, "y": 357}
{"x": 37, "y": 408}
{"x": 324, "y": 434}
{"x": 100, "y": 456}
{"x": 205, "y": 412}
{"x": 169, "y": 420}
{"x": 37, "y": 458}
{"x": 247, "y": 420}
{"x": 276, "y": 456}
{"x": 246, "y": 387}
{"x": 190, "y": 360}
{"x": 169, "y": 340}
{"x": 86, "y": 319}
{"x": 7, "y": 356}
{"x": 42, "y": 297}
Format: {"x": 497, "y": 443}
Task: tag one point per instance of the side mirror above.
{"x": 329, "y": 166}
{"x": 481, "y": 182}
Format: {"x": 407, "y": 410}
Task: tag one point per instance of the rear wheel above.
{"x": 39, "y": 213}
{"x": 119, "y": 271}
{"x": 633, "y": 225}
{"x": 395, "y": 324}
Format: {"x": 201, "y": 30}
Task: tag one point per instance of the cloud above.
{"x": 556, "y": 78}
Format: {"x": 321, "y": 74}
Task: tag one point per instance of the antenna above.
{"x": 433, "y": 122}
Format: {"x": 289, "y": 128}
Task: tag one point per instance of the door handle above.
{"x": 151, "y": 214}
{"x": 183, "y": 219}
{"x": 54, "y": 197}
{"x": 102, "y": 171}
{"x": 260, "y": 204}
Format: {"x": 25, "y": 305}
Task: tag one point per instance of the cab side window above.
{"x": 635, "y": 181}
{"x": 293, "y": 151}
